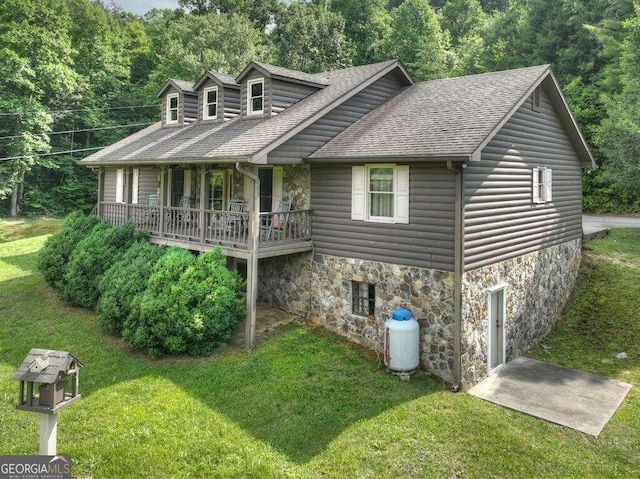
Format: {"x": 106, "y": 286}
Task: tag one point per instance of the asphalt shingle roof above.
{"x": 184, "y": 85}
{"x": 239, "y": 138}
{"x": 319, "y": 78}
{"x": 446, "y": 117}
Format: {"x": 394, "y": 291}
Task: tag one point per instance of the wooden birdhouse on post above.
{"x": 55, "y": 375}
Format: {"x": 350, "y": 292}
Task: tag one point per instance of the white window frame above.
{"x": 360, "y": 194}
{"x": 250, "y": 110}
{"x": 542, "y": 185}
{"x": 206, "y": 103}
{"x": 169, "y": 109}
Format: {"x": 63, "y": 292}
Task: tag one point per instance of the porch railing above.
{"x": 210, "y": 227}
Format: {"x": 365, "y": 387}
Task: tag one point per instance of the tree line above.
{"x": 80, "y": 74}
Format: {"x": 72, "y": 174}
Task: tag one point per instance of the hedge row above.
{"x": 162, "y": 300}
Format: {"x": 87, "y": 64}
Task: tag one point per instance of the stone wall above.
{"x": 319, "y": 287}
{"x": 538, "y": 286}
{"x": 285, "y": 282}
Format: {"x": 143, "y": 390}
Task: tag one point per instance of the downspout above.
{"x": 458, "y": 271}
{"x": 252, "y": 262}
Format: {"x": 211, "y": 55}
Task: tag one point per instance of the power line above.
{"x": 9, "y": 158}
{"x": 80, "y": 130}
{"x": 18, "y": 113}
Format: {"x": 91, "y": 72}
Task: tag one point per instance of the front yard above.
{"x": 306, "y": 404}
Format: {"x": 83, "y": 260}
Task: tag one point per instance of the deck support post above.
{"x": 252, "y": 260}
{"x": 100, "y": 191}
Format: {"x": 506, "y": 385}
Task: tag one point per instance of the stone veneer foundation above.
{"x": 538, "y": 286}
{"x": 319, "y": 287}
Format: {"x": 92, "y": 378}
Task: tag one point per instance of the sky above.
{"x": 143, "y": 6}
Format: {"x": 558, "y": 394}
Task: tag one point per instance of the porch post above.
{"x": 162, "y": 173}
{"x": 203, "y": 192}
{"x": 100, "y": 191}
{"x": 127, "y": 192}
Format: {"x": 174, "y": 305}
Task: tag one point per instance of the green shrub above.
{"x": 53, "y": 258}
{"x": 191, "y": 306}
{"x": 94, "y": 255}
{"x": 123, "y": 281}
{"x": 140, "y": 328}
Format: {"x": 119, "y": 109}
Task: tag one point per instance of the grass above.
{"x": 306, "y": 404}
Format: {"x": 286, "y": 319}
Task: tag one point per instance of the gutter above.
{"x": 458, "y": 271}
{"x": 252, "y": 262}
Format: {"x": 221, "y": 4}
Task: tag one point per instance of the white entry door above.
{"x": 495, "y": 329}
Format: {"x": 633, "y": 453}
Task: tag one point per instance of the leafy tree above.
{"x": 310, "y": 38}
{"x": 417, "y": 39}
{"x": 36, "y": 75}
{"x": 462, "y": 18}
{"x": 619, "y": 134}
{"x": 188, "y": 46}
{"x": 366, "y": 25}
{"x": 260, "y": 12}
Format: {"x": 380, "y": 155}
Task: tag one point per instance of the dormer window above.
{"x": 172, "y": 108}
{"x": 210, "y": 107}
{"x": 255, "y": 96}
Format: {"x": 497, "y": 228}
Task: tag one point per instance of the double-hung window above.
{"x": 172, "y": 108}
{"x": 380, "y": 193}
{"x": 210, "y": 106}
{"x": 255, "y": 96}
{"x": 542, "y": 185}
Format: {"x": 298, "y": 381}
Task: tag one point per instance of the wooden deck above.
{"x": 202, "y": 230}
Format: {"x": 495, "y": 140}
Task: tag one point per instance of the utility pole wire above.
{"x": 76, "y": 131}
{"x": 54, "y": 153}
{"x": 18, "y": 113}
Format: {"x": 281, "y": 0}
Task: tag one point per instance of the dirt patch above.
{"x": 268, "y": 320}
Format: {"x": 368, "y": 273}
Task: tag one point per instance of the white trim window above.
{"x": 542, "y": 185}
{"x": 380, "y": 193}
{"x": 173, "y": 104}
{"x": 255, "y": 96}
{"x": 210, "y": 103}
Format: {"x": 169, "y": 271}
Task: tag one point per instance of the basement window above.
{"x": 363, "y": 298}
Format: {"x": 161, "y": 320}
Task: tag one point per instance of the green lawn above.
{"x": 306, "y": 404}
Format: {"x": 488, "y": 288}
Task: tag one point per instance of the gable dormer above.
{"x": 219, "y": 96}
{"x": 267, "y": 90}
{"x": 179, "y": 103}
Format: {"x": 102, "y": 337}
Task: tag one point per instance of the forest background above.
{"x": 77, "y": 75}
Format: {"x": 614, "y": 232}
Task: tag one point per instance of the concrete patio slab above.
{"x": 563, "y": 396}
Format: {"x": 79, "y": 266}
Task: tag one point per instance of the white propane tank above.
{"x": 401, "y": 342}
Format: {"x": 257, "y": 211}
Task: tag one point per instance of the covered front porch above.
{"x": 202, "y": 207}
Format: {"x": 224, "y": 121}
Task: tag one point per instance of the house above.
{"x": 459, "y": 199}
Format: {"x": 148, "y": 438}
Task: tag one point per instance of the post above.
{"x": 252, "y": 261}
{"x": 162, "y": 193}
{"x": 100, "y": 191}
{"x": 48, "y": 434}
{"x": 203, "y": 193}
